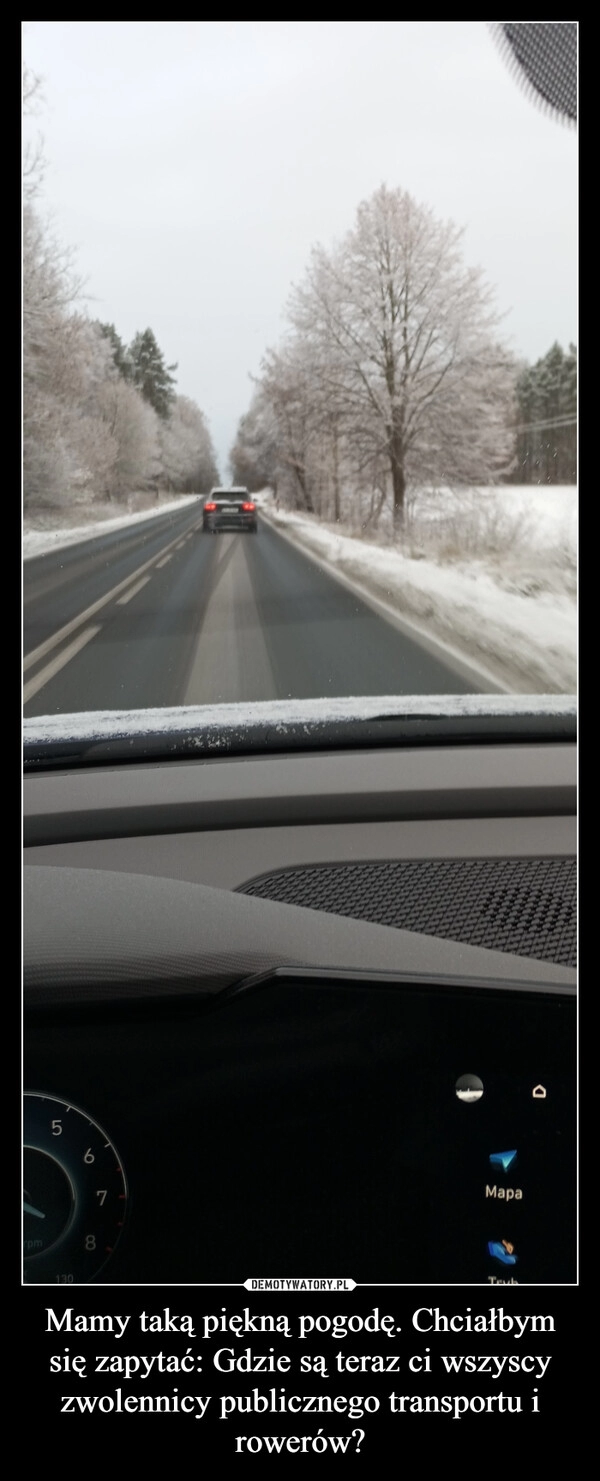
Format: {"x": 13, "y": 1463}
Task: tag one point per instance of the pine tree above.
{"x": 150, "y": 374}
{"x": 547, "y": 419}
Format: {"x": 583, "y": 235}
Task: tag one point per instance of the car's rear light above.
{"x": 209, "y": 508}
{"x": 248, "y": 508}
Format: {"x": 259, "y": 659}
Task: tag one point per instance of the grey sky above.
{"x": 193, "y": 164}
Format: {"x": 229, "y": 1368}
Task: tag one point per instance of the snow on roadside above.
{"x": 38, "y": 542}
{"x": 526, "y": 638}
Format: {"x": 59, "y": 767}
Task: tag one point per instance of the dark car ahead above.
{"x": 229, "y": 509}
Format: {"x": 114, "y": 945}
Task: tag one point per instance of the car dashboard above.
{"x": 302, "y": 1014}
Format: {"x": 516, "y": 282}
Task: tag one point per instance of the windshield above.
{"x": 323, "y": 273}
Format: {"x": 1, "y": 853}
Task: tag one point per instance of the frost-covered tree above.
{"x": 299, "y": 443}
{"x": 288, "y": 388}
{"x": 53, "y": 359}
{"x": 254, "y": 457}
{"x": 401, "y": 336}
{"x": 33, "y": 149}
{"x": 99, "y": 421}
{"x": 56, "y": 347}
{"x": 135, "y": 429}
{"x": 187, "y": 455}
{"x": 84, "y": 437}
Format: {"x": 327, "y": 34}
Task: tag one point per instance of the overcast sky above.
{"x": 193, "y": 164}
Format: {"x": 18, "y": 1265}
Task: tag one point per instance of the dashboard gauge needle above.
{"x": 29, "y": 1209}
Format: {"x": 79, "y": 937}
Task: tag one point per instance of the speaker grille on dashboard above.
{"x": 526, "y": 906}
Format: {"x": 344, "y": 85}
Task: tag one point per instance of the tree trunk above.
{"x": 336, "y": 475}
{"x": 398, "y": 482}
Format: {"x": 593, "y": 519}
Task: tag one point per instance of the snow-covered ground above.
{"x": 490, "y": 573}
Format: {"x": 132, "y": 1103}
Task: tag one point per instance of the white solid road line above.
{"x": 58, "y": 662}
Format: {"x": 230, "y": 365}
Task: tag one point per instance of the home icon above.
{"x": 539, "y": 1092}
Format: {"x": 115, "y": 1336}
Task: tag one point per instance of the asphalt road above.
{"x": 164, "y": 615}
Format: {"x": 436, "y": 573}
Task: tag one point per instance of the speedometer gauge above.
{"x": 74, "y": 1193}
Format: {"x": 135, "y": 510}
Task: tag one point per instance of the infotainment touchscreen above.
{"x": 381, "y": 1130}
